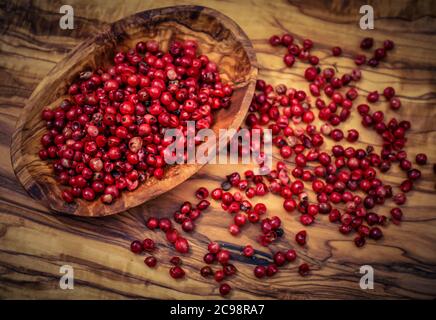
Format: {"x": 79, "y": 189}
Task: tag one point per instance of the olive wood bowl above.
{"x": 218, "y": 36}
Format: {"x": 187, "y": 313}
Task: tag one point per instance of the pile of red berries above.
{"x": 108, "y": 136}
{"x": 346, "y": 180}
{"x": 378, "y": 55}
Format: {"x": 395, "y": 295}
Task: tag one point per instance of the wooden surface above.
{"x": 34, "y": 244}
{"x": 219, "y": 37}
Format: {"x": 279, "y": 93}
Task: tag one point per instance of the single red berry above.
{"x": 148, "y": 244}
{"x": 219, "y": 275}
{"x": 271, "y": 270}
{"x": 206, "y": 271}
{"x": 248, "y": 251}
{"x": 177, "y": 272}
{"x": 225, "y": 289}
{"x": 202, "y": 193}
{"x": 152, "y": 223}
{"x": 181, "y": 245}
{"x": 150, "y": 261}
{"x": 259, "y": 271}
{"x": 300, "y": 237}
{"x": 136, "y": 246}
{"x": 367, "y": 43}
{"x": 279, "y": 258}
{"x": 274, "y": 40}
{"x": 229, "y": 269}
{"x": 336, "y": 51}
{"x": 304, "y": 269}
{"x": 291, "y": 255}
{"x": 209, "y": 258}
{"x": 214, "y": 247}
{"x": 176, "y": 261}
{"x": 223, "y": 256}
{"x": 421, "y": 158}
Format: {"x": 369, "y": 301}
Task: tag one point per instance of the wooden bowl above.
{"x": 218, "y": 36}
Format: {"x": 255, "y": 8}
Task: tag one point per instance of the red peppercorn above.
{"x": 225, "y": 289}
{"x": 300, "y": 237}
{"x": 279, "y": 258}
{"x": 223, "y": 256}
{"x": 165, "y": 224}
{"x": 176, "y": 261}
{"x": 274, "y": 40}
{"x": 289, "y": 60}
{"x": 209, "y": 258}
{"x": 304, "y": 269}
{"x": 206, "y": 271}
{"x": 375, "y": 233}
{"x": 152, "y": 223}
{"x": 136, "y": 246}
{"x": 202, "y": 193}
{"x": 290, "y": 255}
{"x": 188, "y": 225}
{"x": 421, "y": 159}
{"x": 148, "y": 244}
{"x": 216, "y": 194}
{"x": 287, "y": 39}
{"x": 213, "y": 247}
{"x": 388, "y": 44}
{"x": 395, "y": 103}
{"x": 248, "y": 251}
{"x": 373, "y": 97}
{"x": 203, "y": 205}
{"x": 337, "y": 135}
{"x": 271, "y": 270}
{"x": 219, "y": 275}
{"x": 229, "y": 269}
{"x": 177, "y": 272}
{"x": 259, "y": 271}
{"x": 379, "y": 54}
{"x": 336, "y": 51}
{"x": 181, "y": 245}
{"x": 150, "y": 261}
{"x": 397, "y": 214}
{"x": 352, "y": 135}
{"x": 367, "y": 43}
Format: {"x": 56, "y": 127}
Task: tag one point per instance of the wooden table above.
{"x": 35, "y": 243}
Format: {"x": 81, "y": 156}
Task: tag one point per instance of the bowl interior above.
{"x": 218, "y": 37}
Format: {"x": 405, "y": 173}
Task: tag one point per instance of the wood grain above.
{"x": 35, "y": 243}
{"x": 219, "y": 37}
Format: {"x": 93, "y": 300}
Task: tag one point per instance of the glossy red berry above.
{"x": 304, "y": 269}
{"x": 248, "y": 251}
{"x": 225, "y": 289}
{"x": 290, "y": 255}
{"x": 206, "y": 271}
{"x": 177, "y": 272}
{"x": 136, "y": 246}
{"x": 300, "y": 237}
{"x": 148, "y": 244}
{"x": 223, "y": 256}
{"x": 421, "y": 159}
{"x": 150, "y": 261}
{"x": 181, "y": 245}
{"x": 214, "y": 247}
{"x": 336, "y": 51}
{"x": 259, "y": 271}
